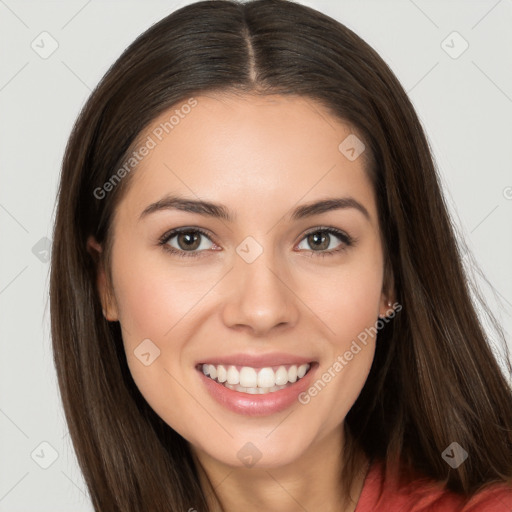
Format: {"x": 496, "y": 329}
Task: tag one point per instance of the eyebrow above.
{"x": 215, "y": 210}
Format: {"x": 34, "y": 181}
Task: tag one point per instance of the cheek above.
{"x": 153, "y": 302}
{"x": 348, "y": 304}
{"x": 354, "y": 302}
{"x": 351, "y": 315}
{"x": 152, "y": 296}
{"x": 159, "y": 302}
{"x": 347, "y": 298}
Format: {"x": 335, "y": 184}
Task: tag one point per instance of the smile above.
{"x": 255, "y": 381}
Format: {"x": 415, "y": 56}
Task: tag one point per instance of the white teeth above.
{"x": 281, "y": 376}
{"x": 248, "y": 377}
{"x": 212, "y": 371}
{"x": 222, "y": 374}
{"x": 254, "y": 391}
{"x": 233, "y": 377}
{"x": 266, "y": 378}
{"x": 253, "y": 381}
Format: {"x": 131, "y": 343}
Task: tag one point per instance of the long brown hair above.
{"x": 434, "y": 379}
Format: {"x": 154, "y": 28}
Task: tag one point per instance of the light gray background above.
{"x": 465, "y": 104}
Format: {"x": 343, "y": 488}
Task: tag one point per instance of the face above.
{"x": 267, "y": 290}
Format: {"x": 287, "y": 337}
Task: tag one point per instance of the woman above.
{"x": 257, "y": 297}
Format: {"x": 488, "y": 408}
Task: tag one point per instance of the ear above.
{"x": 388, "y": 296}
{"x": 107, "y": 299}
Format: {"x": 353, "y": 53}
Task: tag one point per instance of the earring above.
{"x": 390, "y": 306}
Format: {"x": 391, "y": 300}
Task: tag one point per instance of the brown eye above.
{"x": 319, "y": 240}
{"x": 189, "y": 241}
{"x": 322, "y": 241}
{"x": 186, "y": 242}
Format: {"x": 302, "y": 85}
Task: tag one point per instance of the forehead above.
{"x": 248, "y": 152}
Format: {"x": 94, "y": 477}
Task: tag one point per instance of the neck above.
{"x": 317, "y": 474}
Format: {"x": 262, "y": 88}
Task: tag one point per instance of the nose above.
{"x": 260, "y": 296}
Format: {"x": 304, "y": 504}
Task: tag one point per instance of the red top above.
{"x": 425, "y": 495}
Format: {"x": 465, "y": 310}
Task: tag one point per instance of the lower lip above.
{"x": 258, "y": 405}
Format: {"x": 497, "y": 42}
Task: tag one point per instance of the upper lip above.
{"x": 257, "y": 361}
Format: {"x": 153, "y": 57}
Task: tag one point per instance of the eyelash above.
{"x": 347, "y": 240}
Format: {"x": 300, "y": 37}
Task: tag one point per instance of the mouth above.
{"x": 255, "y": 380}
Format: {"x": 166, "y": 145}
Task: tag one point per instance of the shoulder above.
{"x": 496, "y": 498}
{"x": 420, "y": 494}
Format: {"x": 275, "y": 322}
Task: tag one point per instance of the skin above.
{"x": 261, "y": 157}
